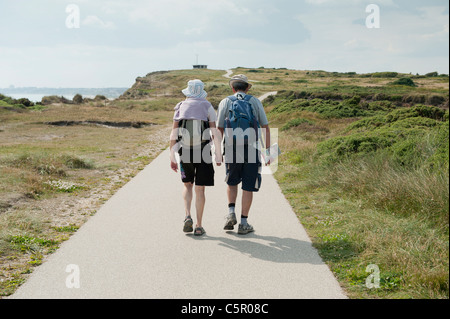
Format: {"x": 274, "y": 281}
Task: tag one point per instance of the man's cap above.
{"x": 240, "y": 78}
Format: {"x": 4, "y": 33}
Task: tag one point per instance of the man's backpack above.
{"x": 241, "y": 125}
{"x": 193, "y": 133}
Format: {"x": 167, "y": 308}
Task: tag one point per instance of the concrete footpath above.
{"x": 134, "y": 247}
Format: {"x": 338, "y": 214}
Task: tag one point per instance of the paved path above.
{"x": 228, "y": 74}
{"x": 134, "y": 247}
{"x": 267, "y": 95}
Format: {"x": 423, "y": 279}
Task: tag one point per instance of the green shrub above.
{"x": 385, "y": 75}
{"x": 413, "y": 137}
{"x": 296, "y": 122}
{"x": 77, "y": 99}
{"x": 432, "y": 74}
{"x": 415, "y": 122}
{"x": 360, "y": 143}
{"x": 25, "y": 102}
{"x": 75, "y": 162}
{"x": 7, "y": 101}
{"x": 327, "y": 108}
{"x": 47, "y": 100}
{"x": 439, "y": 140}
{"x": 381, "y": 106}
{"x": 100, "y": 98}
{"x": 431, "y": 112}
{"x": 436, "y": 100}
{"x": 4, "y": 103}
{"x": 47, "y": 164}
{"x": 404, "y": 81}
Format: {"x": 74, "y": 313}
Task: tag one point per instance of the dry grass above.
{"x": 52, "y": 179}
{"x": 368, "y": 211}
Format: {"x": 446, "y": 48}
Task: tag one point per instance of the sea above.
{"x": 38, "y": 97}
{"x": 36, "y": 94}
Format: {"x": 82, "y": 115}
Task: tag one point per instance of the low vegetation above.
{"x": 369, "y": 180}
{"x": 9, "y": 103}
{"x": 54, "y": 177}
{"x": 364, "y": 165}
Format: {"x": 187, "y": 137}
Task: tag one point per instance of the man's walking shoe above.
{"x": 245, "y": 229}
{"x": 231, "y": 221}
{"x": 188, "y": 223}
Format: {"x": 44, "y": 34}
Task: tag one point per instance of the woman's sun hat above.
{"x": 240, "y": 78}
{"x": 195, "y": 89}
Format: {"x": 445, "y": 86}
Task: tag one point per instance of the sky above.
{"x": 108, "y": 43}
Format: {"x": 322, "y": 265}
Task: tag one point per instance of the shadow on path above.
{"x": 269, "y": 248}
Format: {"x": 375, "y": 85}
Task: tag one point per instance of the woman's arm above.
{"x": 173, "y": 142}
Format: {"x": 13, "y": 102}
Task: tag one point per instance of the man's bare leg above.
{"x": 247, "y": 199}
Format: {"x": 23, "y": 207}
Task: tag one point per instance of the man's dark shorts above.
{"x": 245, "y": 171}
{"x": 196, "y": 166}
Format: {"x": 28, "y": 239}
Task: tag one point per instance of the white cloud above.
{"x": 152, "y": 35}
{"x": 406, "y": 35}
{"x": 94, "y": 21}
{"x": 350, "y": 2}
{"x": 168, "y": 13}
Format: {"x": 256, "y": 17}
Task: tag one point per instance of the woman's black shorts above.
{"x": 196, "y": 166}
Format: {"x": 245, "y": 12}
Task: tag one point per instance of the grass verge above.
{"x": 371, "y": 191}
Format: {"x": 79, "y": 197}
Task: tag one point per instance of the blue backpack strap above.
{"x": 248, "y": 97}
{"x": 232, "y": 98}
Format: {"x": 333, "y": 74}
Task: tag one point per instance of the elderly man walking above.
{"x": 244, "y": 114}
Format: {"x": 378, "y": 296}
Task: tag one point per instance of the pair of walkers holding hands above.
{"x": 238, "y": 132}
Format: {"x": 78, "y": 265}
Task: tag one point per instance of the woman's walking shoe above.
{"x": 231, "y": 221}
{"x": 188, "y": 225}
{"x": 245, "y": 229}
{"x": 199, "y": 231}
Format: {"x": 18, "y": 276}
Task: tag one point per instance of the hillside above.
{"x": 429, "y": 90}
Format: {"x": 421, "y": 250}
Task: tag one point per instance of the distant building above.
{"x": 199, "y": 66}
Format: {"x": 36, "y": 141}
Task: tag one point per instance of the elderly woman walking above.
{"x": 194, "y": 127}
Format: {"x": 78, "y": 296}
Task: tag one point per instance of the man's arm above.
{"x": 266, "y": 135}
{"x": 217, "y": 139}
{"x": 221, "y": 115}
{"x": 261, "y": 114}
{"x": 264, "y": 122}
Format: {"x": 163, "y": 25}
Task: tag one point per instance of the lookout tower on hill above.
{"x": 199, "y": 66}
